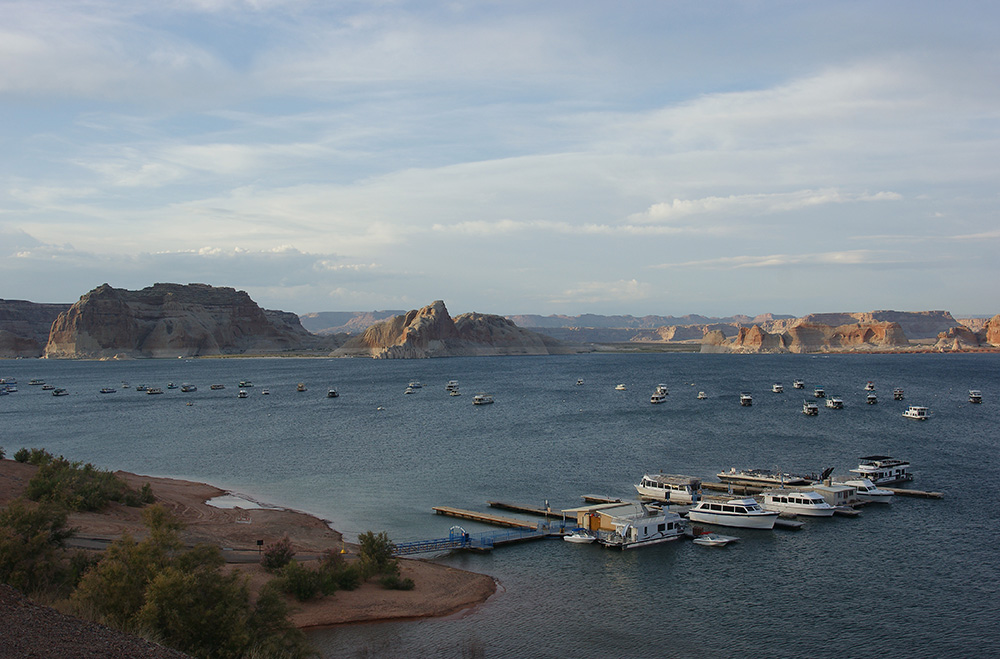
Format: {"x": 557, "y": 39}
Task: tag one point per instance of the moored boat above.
{"x": 975, "y": 396}
{"x": 300, "y": 387}
{"x": 657, "y": 398}
{"x": 868, "y": 491}
{"x": 188, "y": 388}
{"x": 332, "y": 393}
{"x": 798, "y": 384}
{"x": 819, "y": 392}
{"x": 216, "y": 387}
{"x": 670, "y": 488}
{"x": 835, "y": 403}
{"x": 917, "y": 412}
{"x": 482, "y": 399}
{"x": 797, "y": 502}
{"x": 870, "y": 386}
{"x": 702, "y": 395}
{"x": 109, "y": 390}
{"x": 580, "y": 537}
{"x": 777, "y": 388}
{"x": 871, "y": 398}
{"x": 48, "y": 387}
{"x": 713, "y": 540}
{"x": 746, "y": 400}
{"x": 152, "y": 391}
{"x": 743, "y": 513}
{"x": 242, "y": 394}
{"x": 897, "y": 394}
{"x": 642, "y": 526}
{"x": 883, "y": 470}
{"x": 810, "y": 408}
{"x": 766, "y": 478}
{"x": 59, "y": 392}
{"x": 451, "y": 386}
{"x": 619, "y": 387}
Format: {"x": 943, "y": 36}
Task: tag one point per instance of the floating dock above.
{"x": 485, "y": 518}
{"x": 547, "y": 513}
{"x": 597, "y": 498}
{"x": 913, "y": 493}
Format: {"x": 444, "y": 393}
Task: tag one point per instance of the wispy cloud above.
{"x": 599, "y": 292}
{"x": 845, "y": 258}
{"x": 755, "y": 204}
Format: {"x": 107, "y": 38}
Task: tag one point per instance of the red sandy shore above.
{"x": 439, "y": 590}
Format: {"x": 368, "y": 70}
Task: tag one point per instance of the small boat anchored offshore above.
{"x": 777, "y": 388}
{"x": 798, "y": 384}
{"x": 975, "y": 396}
{"x": 810, "y": 408}
{"x": 835, "y": 403}
{"x": 482, "y": 399}
{"x": 917, "y": 412}
{"x": 746, "y": 400}
{"x": 897, "y": 394}
{"x": 871, "y": 398}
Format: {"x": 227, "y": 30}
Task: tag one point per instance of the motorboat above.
{"x": 798, "y": 384}
{"x": 188, "y": 388}
{"x": 917, "y": 412}
{"x": 245, "y": 384}
{"x": 265, "y": 392}
{"x": 152, "y": 391}
{"x": 670, "y": 488}
{"x": 141, "y": 387}
{"x": 415, "y": 385}
{"x": 580, "y": 537}
{"x": 410, "y": 390}
{"x": 35, "y": 382}
{"x": 109, "y": 390}
{"x": 646, "y": 526}
{"x": 48, "y": 387}
{"x": 242, "y": 394}
{"x": 482, "y": 399}
{"x": 869, "y": 492}
{"x": 702, "y": 395}
{"x": 216, "y": 387}
{"x": 819, "y": 392}
{"x": 657, "y": 397}
{"x": 835, "y": 403}
{"x": 798, "y": 502}
{"x": 975, "y": 396}
{"x": 171, "y": 385}
{"x": 743, "y": 513}
{"x": 777, "y": 388}
{"x": 60, "y": 392}
{"x": 300, "y": 387}
{"x": 579, "y": 381}
{"x": 883, "y": 470}
{"x": 746, "y": 400}
{"x": 810, "y": 408}
{"x": 332, "y": 393}
{"x": 619, "y": 387}
{"x": 871, "y": 398}
{"x": 897, "y": 394}
{"x": 454, "y": 392}
{"x": 870, "y": 386}
{"x": 768, "y": 478}
{"x": 713, "y": 540}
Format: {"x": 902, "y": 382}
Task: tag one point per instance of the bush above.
{"x": 376, "y": 554}
{"x": 2, "y": 454}
{"x": 30, "y": 540}
{"x": 394, "y": 582}
{"x": 79, "y": 487}
{"x": 277, "y": 554}
{"x": 300, "y": 582}
{"x": 36, "y": 456}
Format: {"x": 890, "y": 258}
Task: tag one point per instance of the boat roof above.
{"x": 673, "y": 479}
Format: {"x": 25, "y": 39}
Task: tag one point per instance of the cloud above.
{"x": 836, "y": 258}
{"x": 755, "y": 204}
{"x": 597, "y": 292}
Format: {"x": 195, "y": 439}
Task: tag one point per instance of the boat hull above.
{"x": 758, "y": 521}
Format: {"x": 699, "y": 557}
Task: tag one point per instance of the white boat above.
{"x": 188, "y": 388}
{"x": 60, "y": 392}
{"x": 579, "y": 381}
{"x": 242, "y": 394}
{"x": 300, "y": 386}
{"x": 451, "y": 386}
{"x": 579, "y": 537}
{"x": 171, "y": 385}
{"x": 454, "y": 392}
{"x": 897, "y": 394}
{"x": 619, "y": 387}
{"x": 648, "y": 526}
{"x": 810, "y": 408}
{"x": 777, "y": 388}
{"x": 819, "y": 392}
{"x": 35, "y": 381}
{"x": 883, "y": 470}
{"x": 702, "y": 395}
{"x": 410, "y": 390}
{"x": 657, "y": 398}
{"x": 798, "y": 502}
{"x": 917, "y": 412}
{"x": 743, "y": 513}
{"x": 109, "y": 390}
{"x": 245, "y": 384}
{"x": 482, "y": 399}
{"x": 415, "y": 385}
{"x": 975, "y": 396}
{"x": 670, "y": 488}
{"x": 767, "y": 478}
{"x": 152, "y": 391}
{"x": 868, "y": 491}
{"x": 713, "y": 540}
{"x": 871, "y": 398}
{"x": 332, "y": 393}
{"x": 48, "y": 387}
{"x": 870, "y": 386}
{"x": 265, "y": 392}
{"x": 834, "y": 403}
{"x": 798, "y": 384}
{"x": 662, "y": 389}
{"x": 746, "y": 400}
{"x": 213, "y": 387}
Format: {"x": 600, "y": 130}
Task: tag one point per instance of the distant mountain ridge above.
{"x": 633, "y": 322}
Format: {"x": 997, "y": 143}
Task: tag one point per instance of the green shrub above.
{"x": 79, "y": 487}
{"x": 277, "y": 554}
{"x": 376, "y": 554}
{"x": 31, "y": 538}
{"x": 2, "y": 454}
{"x": 394, "y": 582}
{"x": 300, "y": 582}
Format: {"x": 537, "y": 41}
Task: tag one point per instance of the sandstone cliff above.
{"x": 804, "y": 337}
{"x": 431, "y": 332}
{"x": 173, "y": 320}
{"x": 24, "y": 327}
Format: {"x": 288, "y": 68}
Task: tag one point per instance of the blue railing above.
{"x": 458, "y": 538}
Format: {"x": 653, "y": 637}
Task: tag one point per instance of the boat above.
{"x": 265, "y": 392}
{"x": 798, "y": 384}
{"x": 798, "y": 502}
{"x": 746, "y": 400}
{"x": 743, "y": 513}
{"x": 242, "y": 394}
{"x": 917, "y": 412}
{"x": 834, "y": 403}
{"x": 579, "y": 381}
{"x": 60, "y": 392}
{"x": 810, "y": 408}
{"x": 48, "y": 387}
{"x": 870, "y": 386}
{"x": 702, "y": 395}
{"x": 644, "y": 526}
{"x": 818, "y": 392}
{"x": 188, "y": 388}
{"x": 245, "y": 384}
{"x": 153, "y": 390}
{"x": 109, "y": 390}
{"x": 713, "y": 540}
{"x": 670, "y": 488}
{"x": 975, "y": 396}
{"x": 332, "y": 393}
{"x": 767, "y": 478}
{"x": 300, "y": 387}
{"x": 662, "y": 389}
{"x": 619, "y": 387}
{"x": 580, "y": 537}
{"x": 657, "y": 397}
{"x": 482, "y": 399}
{"x": 871, "y": 398}
{"x": 216, "y": 387}
{"x": 141, "y": 387}
{"x": 410, "y": 390}
{"x": 34, "y": 381}
{"x": 451, "y": 386}
{"x": 777, "y": 388}
{"x": 897, "y": 394}
{"x": 454, "y": 392}
{"x": 883, "y": 469}
{"x": 868, "y": 491}
{"x": 171, "y": 385}
{"x": 125, "y": 384}
{"x": 415, "y": 385}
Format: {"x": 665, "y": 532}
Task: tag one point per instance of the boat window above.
{"x": 661, "y": 527}
{"x": 729, "y": 509}
{"x": 715, "y": 506}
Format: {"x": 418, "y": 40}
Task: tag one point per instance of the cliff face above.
{"x": 804, "y": 337}
{"x": 172, "y": 320}
{"x": 24, "y": 327}
{"x": 431, "y": 332}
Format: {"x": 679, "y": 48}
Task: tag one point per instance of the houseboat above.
{"x": 629, "y": 525}
{"x": 897, "y": 394}
{"x": 216, "y": 387}
{"x": 657, "y": 397}
{"x": 662, "y": 389}
{"x": 797, "y": 502}
{"x": 883, "y": 470}
{"x": 451, "y": 386}
{"x": 777, "y": 388}
{"x": 869, "y": 386}
{"x": 917, "y": 412}
{"x": 798, "y": 384}
{"x": 243, "y": 394}
{"x": 810, "y": 408}
{"x": 835, "y": 403}
{"x": 482, "y": 399}
{"x": 331, "y": 393}
{"x": 975, "y": 396}
{"x": 746, "y": 400}
{"x": 188, "y": 388}
{"x": 109, "y": 390}
{"x": 871, "y": 398}
{"x": 152, "y": 391}
{"x": 743, "y": 513}
{"x": 670, "y": 488}
{"x": 59, "y": 392}
{"x": 819, "y": 392}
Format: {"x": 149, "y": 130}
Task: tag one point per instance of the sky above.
{"x": 510, "y": 157}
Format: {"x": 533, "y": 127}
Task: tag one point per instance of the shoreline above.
{"x": 440, "y": 590}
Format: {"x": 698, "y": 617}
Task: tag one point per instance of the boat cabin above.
{"x": 625, "y": 525}
{"x": 670, "y": 488}
{"x": 836, "y": 494}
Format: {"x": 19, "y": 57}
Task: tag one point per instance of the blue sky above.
{"x": 507, "y": 157}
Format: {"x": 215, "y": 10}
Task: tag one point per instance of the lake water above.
{"x": 919, "y": 578}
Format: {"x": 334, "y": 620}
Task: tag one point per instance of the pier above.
{"x": 547, "y": 513}
{"x": 913, "y": 493}
{"x": 485, "y": 518}
{"x": 459, "y": 539}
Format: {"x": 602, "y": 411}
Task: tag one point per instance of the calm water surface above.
{"x": 918, "y": 578}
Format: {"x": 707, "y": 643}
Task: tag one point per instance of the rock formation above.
{"x": 806, "y": 337}
{"x": 173, "y": 320}
{"x": 24, "y": 327}
{"x": 431, "y": 332}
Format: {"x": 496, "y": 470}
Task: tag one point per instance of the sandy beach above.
{"x": 439, "y": 591}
